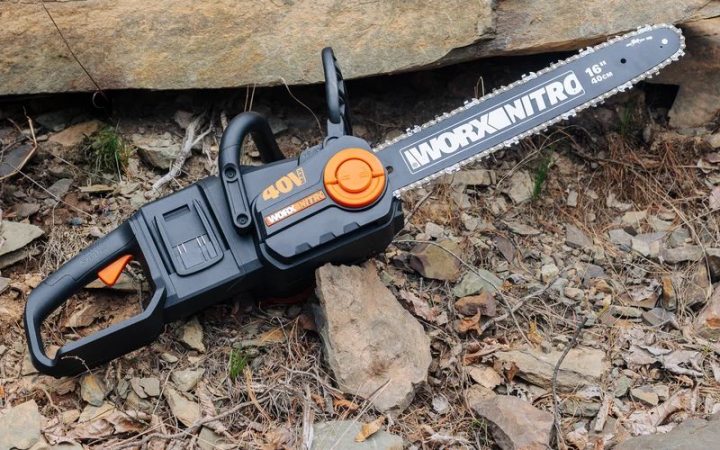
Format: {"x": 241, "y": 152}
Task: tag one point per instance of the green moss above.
{"x": 107, "y": 152}
{"x": 237, "y": 363}
{"x": 541, "y": 174}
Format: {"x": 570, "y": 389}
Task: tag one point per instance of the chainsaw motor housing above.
{"x": 255, "y": 230}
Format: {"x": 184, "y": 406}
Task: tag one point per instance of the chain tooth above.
{"x": 540, "y": 128}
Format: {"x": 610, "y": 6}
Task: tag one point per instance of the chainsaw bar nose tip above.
{"x": 354, "y": 178}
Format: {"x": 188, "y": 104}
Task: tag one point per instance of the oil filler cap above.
{"x": 354, "y": 178}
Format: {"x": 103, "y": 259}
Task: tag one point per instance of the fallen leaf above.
{"x": 368, "y": 429}
{"x": 467, "y": 324}
{"x": 422, "y": 309}
{"x": 345, "y": 404}
{"x": 274, "y": 336}
{"x": 533, "y": 334}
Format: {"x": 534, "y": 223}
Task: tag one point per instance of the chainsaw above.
{"x": 263, "y": 230}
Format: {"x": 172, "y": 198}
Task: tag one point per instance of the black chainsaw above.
{"x": 263, "y": 230}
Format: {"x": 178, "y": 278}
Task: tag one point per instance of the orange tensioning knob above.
{"x": 354, "y": 178}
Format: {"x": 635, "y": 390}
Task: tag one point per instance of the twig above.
{"x": 188, "y": 143}
{"x": 555, "y": 433}
{"x": 303, "y": 105}
{"x": 308, "y": 418}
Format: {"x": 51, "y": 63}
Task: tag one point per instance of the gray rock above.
{"x": 186, "y": 411}
{"x": 581, "y": 367}
{"x": 210, "y": 440}
{"x": 657, "y": 224}
{"x": 514, "y": 423}
{"x": 572, "y": 199}
{"x": 191, "y": 334}
{"x": 619, "y": 236}
{"x": 634, "y": 218}
{"x": 576, "y": 407}
{"x": 622, "y": 385}
{"x": 4, "y": 284}
{"x": 186, "y": 380}
{"x": 16, "y": 235}
{"x": 25, "y": 210}
{"x": 59, "y": 188}
{"x": 471, "y": 283}
{"x": 475, "y": 178}
{"x": 374, "y": 347}
{"x": 658, "y": 316}
{"x": 431, "y": 261}
{"x": 645, "y": 394}
{"x": 574, "y": 237}
{"x": 20, "y": 427}
{"x": 679, "y": 236}
{"x": 519, "y": 187}
{"x": 682, "y": 254}
{"x": 692, "y": 434}
{"x": 340, "y": 434}
{"x": 92, "y": 389}
{"x": 648, "y": 244}
{"x": 522, "y": 229}
{"x": 434, "y": 230}
{"x": 157, "y": 150}
{"x": 549, "y": 272}
{"x": 57, "y": 120}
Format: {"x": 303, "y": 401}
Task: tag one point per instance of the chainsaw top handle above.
{"x": 104, "y": 259}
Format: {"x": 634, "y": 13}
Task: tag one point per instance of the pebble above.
{"x": 574, "y": 237}
{"x": 619, "y": 236}
{"x": 549, "y": 272}
{"x": 648, "y": 244}
{"x": 191, "y": 334}
{"x": 574, "y": 293}
{"x": 92, "y": 389}
{"x": 572, "y": 199}
{"x": 645, "y": 394}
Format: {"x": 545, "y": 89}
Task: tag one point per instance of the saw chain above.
{"x": 260, "y": 231}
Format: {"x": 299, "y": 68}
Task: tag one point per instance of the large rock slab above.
{"x": 184, "y": 44}
{"x": 20, "y": 426}
{"x": 514, "y": 423}
{"x": 341, "y": 434}
{"x": 693, "y": 434}
{"x": 375, "y": 348}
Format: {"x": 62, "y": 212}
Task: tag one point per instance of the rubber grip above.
{"x": 116, "y": 340}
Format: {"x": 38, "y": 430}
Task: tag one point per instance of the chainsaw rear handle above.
{"x": 104, "y": 345}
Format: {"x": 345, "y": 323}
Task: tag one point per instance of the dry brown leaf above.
{"x": 345, "y": 404}
{"x": 421, "y": 308}
{"x": 467, "y": 324}
{"x": 533, "y": 334}
{"x": 274, "y": 336}
{"x": 370, "y": 428}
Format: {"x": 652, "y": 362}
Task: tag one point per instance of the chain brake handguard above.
{"x": 213, "y": 241}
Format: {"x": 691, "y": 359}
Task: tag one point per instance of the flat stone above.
{"x": 574, "y": 237}
{"x": 657, "y": 224}
{"x": 618, "y": 236}
{"x": 210, "y": 440}
{"x": 645, "y": 394}
{"x": 472, "y": 283}
{"x": 74, "y": 135}
{"x": 4, "y": 284}
{"x": 25, "y": 210}
{"x": 514, "y": 423}
{"x": 634, "y": 218}
{"x": 691, "y": 434}
{"x": 191, "y": 334}
{"x": 483, "y": 303}
{"x": 474, "y": 177}
{"x": 622, "y": 386}
{"x": 59, "y": 188}
{"x": 159, "y": 151}
{"x": 16, "y": 235}
{"x": 522, "y": 229}
{"x": 581, "y": 367}
{"x": 572, "y": 199}
{"x": 375, "y": 348}
{"x": 433, "y": 262}
{"x": 186, "y": 380}
{"x": 549, "y": 272}
{"x": 658, "y": 316}
{"x": 187, "y": 412}
{"x": 579, "y": 408}
{"x": 485, "y": 376}
{"x": 92, "y": 389}
{"x": 682, "y": 254}
{"x": 340, "y": 434}
{"x": 679, "y": 236}
{"x": 574, "y": 293}
{"x": 20, "y": 427}
{"x": 648, "y": 244}
{"x": 519, "y": 187}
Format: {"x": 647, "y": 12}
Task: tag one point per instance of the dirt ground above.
{"x": 261, "y": 371}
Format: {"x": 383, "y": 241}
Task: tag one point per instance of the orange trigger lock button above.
{"x": 110, "y": 274}
{"x": 354, "y": 178}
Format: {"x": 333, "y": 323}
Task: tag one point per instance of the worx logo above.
{"x": 484, "y": 125}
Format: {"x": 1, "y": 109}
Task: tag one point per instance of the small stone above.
{"x": 519, "y": 187}
{"x": 159, "y": 151}
{"x": 434, "y": 231}
{"x": 522, "y": 229}
{"x": 25, "y": 210}
{"x": 16, "y": 235}
{"x": 169, "y": 358}
{"x": 645, "y": 394}
{"x": 472, "y": 283}
{"x": 187, "y": 412}
{"x": 137, "y": 403}
{"x": 340, "y": 434}
{"x": 633, "y": 218}
{"x": 619, "y": 236}
{"x": 20, "y": 427}
{"x": 514, "y": 423}
{"x": 682, "y": 254}
{"x": 658, "y": 316}
{"x": 369, "y": 338}
{"x": 469, "y": 222}
{"x": 75, "y": 134}
{"x": 433, "y": 262}
{"x": 572, "y": 199}
{"x": 475, "y": 178}
{"x": 574, "y": 293}
{"x": 92, "y": 389}
{"x": 626, "y": 311}
{"x": 210, "y": 440}
{"x": 186, "y": 380}
{"x": 440, "y": 405}
{"x": 622, "y": 385}
{"x": 579, "y": 408}
{"x": 4, "y": 284}
{"x": 191, "y": 334}
{"x": 150, "y": 385}
{"x": 57, "y": 120}
{"x": 648, "y": 244}
{"x": 679, "y": 236}
{"x": 713, "y": 140}
{"x": 59, "y": 188}
{"x": 484, "y": 376}
{"x": 549, "y": 272}
{"x": 707, "y": 322}
{"x": 574, "y": 237}
{"x": 669, "y": 297}
{"x": 484, "y": 303}
{"x": 657, "y": 224}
